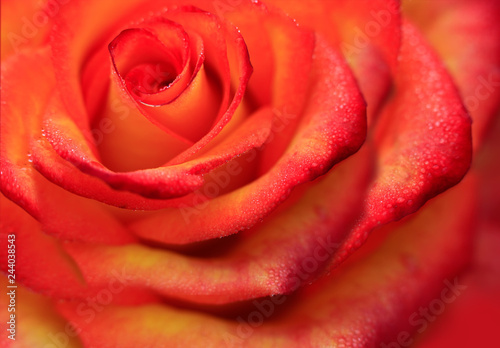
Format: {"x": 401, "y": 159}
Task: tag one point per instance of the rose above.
{"x": 108, "y": 264}
{"x": 103, "y": 294}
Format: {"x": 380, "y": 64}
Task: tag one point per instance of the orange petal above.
{"x": 250, "y": 136}
{"x": 367, "y": 32}
{"x": 62, "y": 214}
{"x": 25, "y": 24}
{"x": 38, "y": 324}
{"x": 42, "y": 265}
{"x": 265, "y": 260}
{"x": 355, "y": 305}
{"x": 332, "y": 127}
{"x": 65, "y": 133}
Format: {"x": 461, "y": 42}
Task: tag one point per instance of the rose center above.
{"x": 146, "y": 64}
{"x": 150, "y": 78}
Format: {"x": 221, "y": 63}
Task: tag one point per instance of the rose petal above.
{"x": 42, "y": 325}
{"x": 471, "y": 319}
{"x": 354, "y": 307}
{"x": 332, "y": 128}
{"x": 281, "y": 54}
{"x": 251, "y": 135}
{"x": 266, "y": 259}
{"x": 423, "y": 138}
{"x": 62, "y": 134}
{"x": 63, "y": 215}
{"x": 43, "y": 266}
{"x": 414, "y": 266}
{"x": 465, "y": 33}
{"x": 367, "y": 32}
{"x": 199, "y": 99}
{"x": 32, "y": 244}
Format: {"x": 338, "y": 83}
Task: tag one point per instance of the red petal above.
{"x": 470, "y": 321}
{"x": 197, "y": 97}
{"x": 42, "y": 265}
{"x": 465, "y": 33}
{"x": 36, "y": 253}
{"x": 423, "y": 138}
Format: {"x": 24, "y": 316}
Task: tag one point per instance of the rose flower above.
{"x": 244, "y": 173}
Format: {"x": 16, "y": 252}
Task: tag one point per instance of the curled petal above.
{"x": 67, "y": 136}
{"x": 332, "y": 127}
{"x": 253, "y": 134}
{"x": 423, "y": 137}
